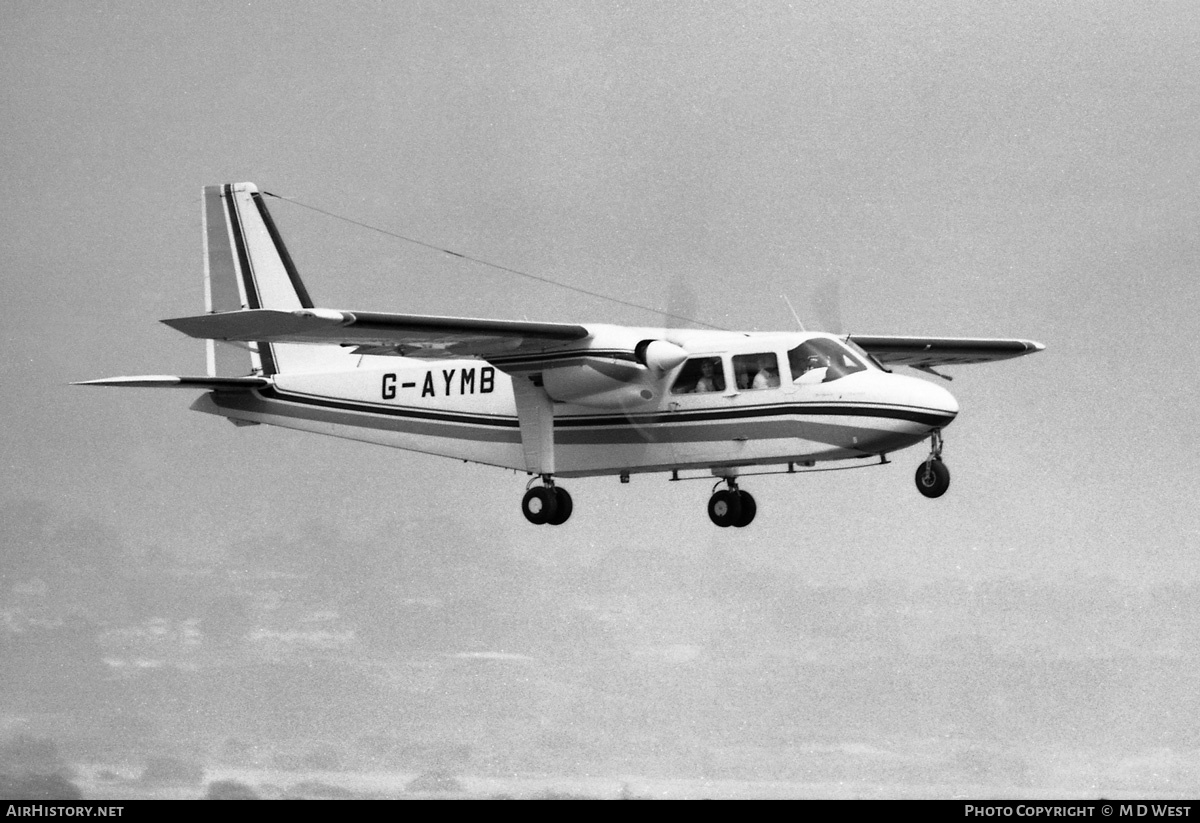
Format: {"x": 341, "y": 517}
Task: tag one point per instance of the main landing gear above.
{"x": 732, "y": 506}
{"x": 933, "y": 478}
{"x": 547, "y": 503}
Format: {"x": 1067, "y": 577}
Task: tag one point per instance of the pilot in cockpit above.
{"x": 811, "y": 370}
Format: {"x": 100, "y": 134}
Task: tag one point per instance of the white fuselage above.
{"x": 465, "y": 409}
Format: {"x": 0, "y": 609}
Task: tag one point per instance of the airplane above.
{"x": 554, "y": 400}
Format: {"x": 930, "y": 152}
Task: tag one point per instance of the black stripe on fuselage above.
{"x": 401, "y": 421}
{"x": 500, "y": 421}
{"x": 912, "y": 414}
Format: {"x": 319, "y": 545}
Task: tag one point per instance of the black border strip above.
{"x": 239, "y": 241}
{"x": 366, "y": 407}
{"x": 909, "y": 414}
{"x": 266, "y": 354}
{"x": 276, "y": 238}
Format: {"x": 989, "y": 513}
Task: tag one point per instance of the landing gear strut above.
{"x": 933, "y": 478}
{"x": 547, "y": 503}
{"x": 732, "y": 506}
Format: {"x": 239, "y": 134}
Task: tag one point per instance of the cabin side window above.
{"x": 821, "y": 360}
{"x": 756, "y": 371}
{"x": 700, "y": 375}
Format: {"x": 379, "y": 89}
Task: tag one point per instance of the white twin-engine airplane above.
{"x": 553, "y": 400}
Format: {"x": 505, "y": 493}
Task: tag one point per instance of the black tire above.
{"x": 933, "y": 478}
{"x": 539, "y": 505}
{"x": 563, "y": 507}
{"x": 724, "y": 508}
{"x": 748, "y": 509}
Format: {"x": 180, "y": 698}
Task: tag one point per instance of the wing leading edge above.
{"x": 927, "y": 352}
{"x": 411, "y": 335}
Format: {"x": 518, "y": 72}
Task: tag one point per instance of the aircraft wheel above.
{"x": 933, "y": 478}
{"x": 724, "y": 508}
{"x": 748, "y": 509}
{"x": 562, "y": 508}
{"x": 539, "y": 505}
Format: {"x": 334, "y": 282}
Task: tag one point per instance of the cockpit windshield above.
{"x": 821, "y": 360}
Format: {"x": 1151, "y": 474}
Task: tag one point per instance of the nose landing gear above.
{"x": 547, "y": 503}
{"x": 732, "y": 506}
{"x": 933, "y": 478}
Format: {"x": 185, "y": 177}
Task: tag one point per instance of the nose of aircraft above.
{"x": 930, "y": 396}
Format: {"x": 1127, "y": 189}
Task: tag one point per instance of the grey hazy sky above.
{"x": 994, "y": 169}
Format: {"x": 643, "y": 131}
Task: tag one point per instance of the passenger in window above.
{"x": 767, "y": 377}
{"x": 707, "y": 382}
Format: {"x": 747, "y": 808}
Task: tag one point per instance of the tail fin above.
{"x": 247, "y": 266}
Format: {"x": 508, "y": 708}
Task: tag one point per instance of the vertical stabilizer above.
{"x": 247, "y": 266}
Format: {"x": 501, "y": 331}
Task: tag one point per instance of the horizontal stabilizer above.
{"x": 169, "y": 381}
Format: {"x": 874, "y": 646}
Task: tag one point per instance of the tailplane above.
{"x": 247, "y": 266}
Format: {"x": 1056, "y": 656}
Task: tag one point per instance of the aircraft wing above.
{"x": 411, "y": 335}
{"x": 927, "y": 352}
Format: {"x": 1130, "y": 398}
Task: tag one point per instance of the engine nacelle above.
{"x": 609, "y": 383}
{"x": 599, "y": 382}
